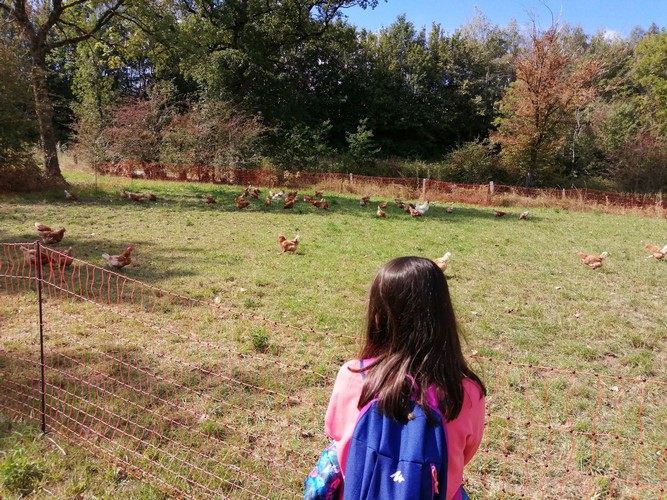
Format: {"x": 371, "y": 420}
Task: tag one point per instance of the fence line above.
{"x": 204, "y": 401}
{"x": 427, "y": 187}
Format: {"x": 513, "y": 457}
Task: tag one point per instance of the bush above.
{"x": 19, "y": 171}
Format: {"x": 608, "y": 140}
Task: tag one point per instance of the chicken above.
{"x": 140, "y": 198}
{"x": 422, "y": 207}
{"x": 209, "y": 199}
{"x": 123, "y": 194}
{"x": 593, "y": 261}
{"x": 308, "y": 198}
{"x": 289, "y": 245}
{"x": 267, "y": 201}
{"x": 384, "y": 204}
{"x": 319, "y": 194}
{"x": 443, "y": 261}
{"x": 381, "y": 213}
{"x": 119, "y": 261}
{"x": 241, "y": 203}
{"x": 449, "y": 210}
{"x": 277, "y": 196}
{"x": 254, "y": 193}
{"x": 66, "y": 259}
{"x": 289, "y": 202}
{"x": 150, "y": 197}
{"x": 49, "y": 236}
{"x": 656, "y": 251}
{"x": 399, "y": 203}
{"x": 363, "y": 201}
{"x": 414, "y": 212}
{"x": 324, "y": 204}
{"x": 70, "y": 196}
{"x": 524, "y": 215}
{"x": 498, "y": 213}
{"x": 31, "y": 255}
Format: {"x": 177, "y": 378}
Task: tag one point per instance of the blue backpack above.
{"x": 388, "y": 459}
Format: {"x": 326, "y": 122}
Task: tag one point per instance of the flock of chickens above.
{"x": 50, "y": 236}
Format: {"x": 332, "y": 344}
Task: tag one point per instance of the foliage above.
{"x": 303, "y": 146}
{"x": 550, "y": 86}
{"x": 360, "y": 143}
{"x": 471, "y": 163}
{"x": 20, "y": 474}
{"x": 136, "y": 127}
{"x": 17, "y": 126}
{"x": 650, "y": 73}
{"x": 213, "y": 133}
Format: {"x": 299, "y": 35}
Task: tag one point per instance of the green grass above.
{"x": 520, "y": 291}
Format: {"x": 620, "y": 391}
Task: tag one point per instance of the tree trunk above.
{"x": 44, "y": 111}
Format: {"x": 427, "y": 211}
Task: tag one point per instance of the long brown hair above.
{"x": 411, "y": 330}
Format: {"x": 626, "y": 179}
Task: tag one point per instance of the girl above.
{"x": 411, "y": 341}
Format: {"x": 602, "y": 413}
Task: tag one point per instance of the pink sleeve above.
{"x": 342, "y": 412}
{"x": 464, "y": 435}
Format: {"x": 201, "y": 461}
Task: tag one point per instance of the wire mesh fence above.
{"x": 204, "y": 401}
{"x": 428, "y": 187}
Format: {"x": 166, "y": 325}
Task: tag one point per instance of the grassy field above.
{"x": 520, "y": 290}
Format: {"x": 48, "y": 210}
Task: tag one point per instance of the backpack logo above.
{"x": 397, "y": 477}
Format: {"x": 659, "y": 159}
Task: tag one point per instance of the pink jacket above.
{"x": 464, "y": 433}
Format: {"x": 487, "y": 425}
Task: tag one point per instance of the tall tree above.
{"x": 47, "y": 25}
{"x": 534, "y": 113}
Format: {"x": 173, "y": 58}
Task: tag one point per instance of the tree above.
{"x": 48, "y": 25}
{"x": 535, "y": 111}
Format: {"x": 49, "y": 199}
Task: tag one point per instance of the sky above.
{"x": 612, "y": 16}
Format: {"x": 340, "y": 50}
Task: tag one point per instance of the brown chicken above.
{"x": 498, "y": 213}
{"x": 308, "y": 198}
{"x": 319, "y": 194}
{"x": 66, "y": 259}
{"x": 119, "y": 261}
{"x": 414, "y": 212}
{"x": 242, "y": 203}
{"x": 289, "y": 202}
{"x": 209, "y": 200}
{"x": 139, "y": 198}
{"x": 150, "y": 197}
{"x": 384, "y": 204}
{"x": 289, "y": 245}
{"x": 49, "y": 236}
{"x": 363, "y": 201}
{"x": 324, "y": 204}
{"x": 70, "y": 196}
{"x": 267, "y": 201}
{"x": 31, "y": 255}
{"x": 593, "y": 261}
{"x": 381, "y": 213}
{"x": 656, "y": 251}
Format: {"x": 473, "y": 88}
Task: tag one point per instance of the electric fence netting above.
{"x": 204, "y": 401}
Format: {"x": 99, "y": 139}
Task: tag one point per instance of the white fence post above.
{"x": 350, "y": 177}
{"x": 490, "y": 187}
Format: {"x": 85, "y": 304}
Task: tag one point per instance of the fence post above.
{"x": 563, "y": 193}
{"x": 350, "y": 178}
{"x": 490, "y": 187}
{"x": 424, "y": 188}
{"x": 38, "y": 266}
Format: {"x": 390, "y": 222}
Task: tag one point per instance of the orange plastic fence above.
{"x": 204, "y": 401}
